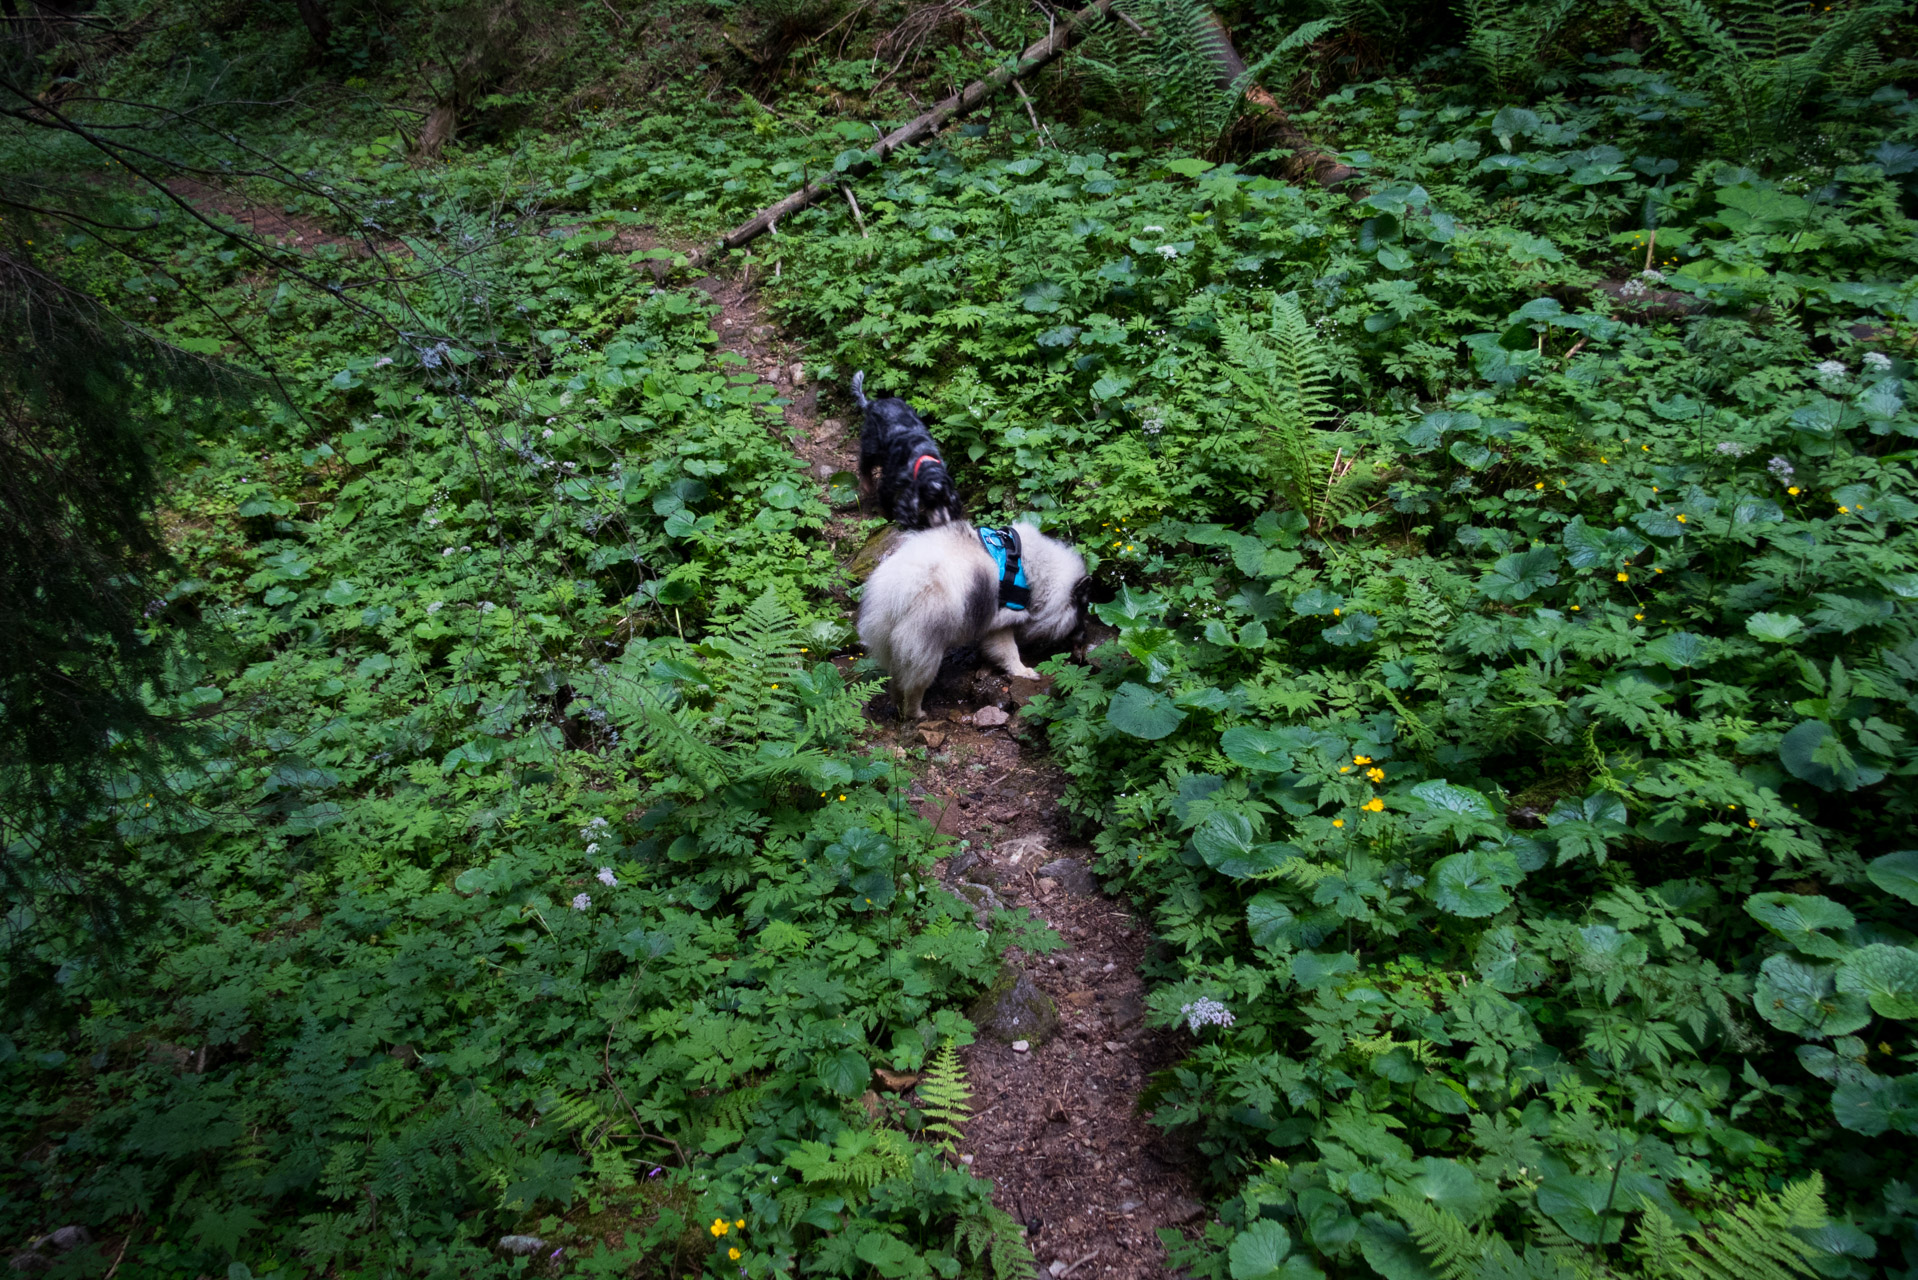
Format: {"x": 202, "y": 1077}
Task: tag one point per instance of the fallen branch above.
{"x": 1068, "y": 32}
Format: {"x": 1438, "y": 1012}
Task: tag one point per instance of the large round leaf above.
{"x": 1465, "y": 884}
{"x": 1815, "y": 753}
{"x": 1896, "y": 873}
{"x": 1256, "y": 749}
{"x": 1138, "y": 711}
{"x": 1885, "y": 975}
{"x": 1797, "y": 917}
{"x": 1804, "y": 999}
{"x": 1873, "y": 1104}
{"x": 1390, "y": 1250}
{"x": 1261, "y": 1253}
{"x": 1581, "y": 1207}
{"x": 1227, "y": 844}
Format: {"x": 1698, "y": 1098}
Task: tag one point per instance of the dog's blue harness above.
{"x": 1003, "y": 546}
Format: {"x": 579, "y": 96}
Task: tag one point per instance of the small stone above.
{"x": 1183, "y": 1210}
{"x": 1003, "y": 812}
{"x": 1020, "y": 1046}
{"x": 1022, "y": 849}
{"x": 989, "y": 717}
{"x": 933, "y": 739}
{"x": 895, "y": 1081}
{"x": 521, "y": 1244}
{"x": 1047, "y": 886}
{"x": 1130, "y": 1206}
{"x": 824, "y": 470}
{"x": 1073, "y": 875}
{"x": 1110, "y": 966}
{"x": 1127, "y": 1009}
{"x": 965, "y": 1159}
{"x": 799, "y": 375}
{"x": 1014, "y": 1007}
{"x": 1058, "y": 1268}
{"x": 1113, "y": 1046}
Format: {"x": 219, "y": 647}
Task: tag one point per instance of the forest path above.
{"x": 1056, "y": 1126}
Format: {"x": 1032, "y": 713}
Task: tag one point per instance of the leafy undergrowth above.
{"x": 1508, "y": 725}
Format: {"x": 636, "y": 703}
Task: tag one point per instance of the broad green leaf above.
{"x": 1317, "y": 602}
{"x": 1390, "y": 1250}
{"x": 1582, "y": 1207}
{"x": 1443, "y": 1094}
{"x": 1269, "y": 920}
{"x": 1138, "y": 711}
{"x": 1311, "y": 969}
{"x": 1885, "y": 975}
{"x": 1797, "y": 918}
{"x": 1465, "y": 884}
{"x": 1260, "y": 750}
{"x": 1227, "y": 843}
{"x": 844, "y": 1072}
{"x": 1443, "y": 796}
{"x": 1896, "y": 873}
{"x": 1354, "y": 628}
{"x": 1681, "y": 650}
{"x": 1876, "y": 1104}
{"x": 1260, "y": 1252}
{"x": 1589, "y": 548}
{"x": 1803, "y": 999}
{"x": 1814, "y": 753}
{"x": 1521, "y": 575}
{"x": 1779, "y": 628}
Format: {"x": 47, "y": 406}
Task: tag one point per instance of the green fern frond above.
{"x": 944, "y": 1098}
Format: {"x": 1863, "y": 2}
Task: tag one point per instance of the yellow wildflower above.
{"x": 1375, "y": 773}
{"x": 1751, "y": 822}
{"x": 719, "y": 1227}
{"x": 1624, "y": 577}
{"x": 1338, "y": 822}
{"x": 1374, "y": 805}
{"x": 1793, "y": 491}
{"x": 733, "y": 1254}
{"x": 1361, "y": 759}
{"x": 740, "y": 1224}
{"x": 1539, "y": 485}
{"x": 1844, "y": 511}
{"x": 1680, "y": 517}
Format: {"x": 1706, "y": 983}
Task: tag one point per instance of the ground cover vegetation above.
{"x": 1507, "y": 727}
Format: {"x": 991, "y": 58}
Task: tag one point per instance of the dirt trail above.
{"x": 1056, "y": 1126}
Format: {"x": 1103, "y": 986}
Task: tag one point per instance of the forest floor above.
{"x": 1056, "y": 1122}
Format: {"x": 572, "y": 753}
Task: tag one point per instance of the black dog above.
{"x": 915, "y": 489}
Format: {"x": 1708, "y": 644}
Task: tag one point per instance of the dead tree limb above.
{"x": 1230, "y": 69}
{"x": 1068, "y": 32}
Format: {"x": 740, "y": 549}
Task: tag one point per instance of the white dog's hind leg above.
{"x": 1002, "y": 649}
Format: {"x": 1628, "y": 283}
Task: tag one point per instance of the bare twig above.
{"x": 1080, "y": 1263}
{"x": 855, "y": 211}
{"x": 1045, "y": 135}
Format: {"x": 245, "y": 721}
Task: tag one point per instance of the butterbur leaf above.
{"x": 1797, "y": 917}
{"x": 1816, "y": 754}
{"x": 1520, "y": 575}
{"x": 1581, "y": 1207}
{"x": 1260, "y": 1252}
{"x": 1803, "y": 999}
{"x": 1465, "y": 884}
{"x": 1589, "y": 548}
{"x": 1138, "y": 711}
{"x": 1354, "y": 628}
{"x": 1390, "y": 1250}
{"x": 1885, "y": 975}
{"x": 1311, "y": 969}
{"x": 1896, "y": 873}
{"x": 1778, "y": 628}
{"x": 1317, "y": 602}
{"x": 1876, "y": 1104}
{"x": 1260, "y": 750}
{"x": 1227, "y": 843}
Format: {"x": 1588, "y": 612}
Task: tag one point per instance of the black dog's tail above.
{"x": 859, "y": 389}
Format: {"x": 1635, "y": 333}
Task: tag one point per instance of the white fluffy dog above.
{"x": 939, "y": 590}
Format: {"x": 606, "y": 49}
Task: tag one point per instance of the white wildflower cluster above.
{"x": 1205, "y": 1012}
{"x": 1877, "y": 362}
{"x": 1780, "y": 469}
{"x": 582, "y": 902}
{"x": 1149, "y": 230}
{"x": 607, "y": 878}
{"x": 435, "y": 607}
{"x": 1152, "y": 426}
{"x": 487, "y": 606}
{"x": 1168, "y": 251}
{"x": 1641, "y": 284}
{"x": 1733, "y": 448}
{"x": 1830, "y": 371}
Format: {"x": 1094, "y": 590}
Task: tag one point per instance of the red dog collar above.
{"x": 924, "y": 457}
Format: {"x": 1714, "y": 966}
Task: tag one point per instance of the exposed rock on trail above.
{"x": 1063, "y": 1050}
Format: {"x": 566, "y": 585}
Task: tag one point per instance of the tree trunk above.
{"x": 318, "y": 25}
{"x": 1308, "y": 157}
